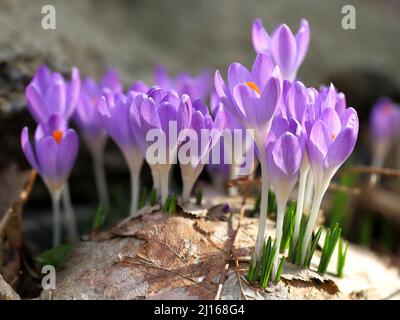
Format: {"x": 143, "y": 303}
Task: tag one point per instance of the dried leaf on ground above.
{"x": 15, "y": 187}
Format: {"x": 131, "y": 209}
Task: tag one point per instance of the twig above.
{"x": 226, "y": 267}
{"x": 342, "y": 188}
{"x": 240, "y": 279}
{"x": 370, "y": 169}
{"x": 221, "y": 283}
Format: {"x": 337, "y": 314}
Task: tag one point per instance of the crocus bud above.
{"x": 205, "y": 133}
{"x": 48, "y": 93}
{"x": 114, "y": 112}
{"x": 285, "y": 49}
{"x": 196, "y": 87}
{"x": 384, "y": 129}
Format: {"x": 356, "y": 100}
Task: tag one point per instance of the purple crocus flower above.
{"x": 196, "y": 87}
{"x": 48, "y": 93}
{"x": 89, "y": 121}
{"x": 252, "y": 98}
{"x": 114, "y": 113}
{"x": 284, "y": 153}
{"x": 52, "y": 156}
{"x": 285, "y": 49}
{"x": 297, "y": 99}
{"x": 159, "y": 120}
{"x": 331, "y": 139}
{"x": 205, "y": 133}
{"x": 385, "y": 129}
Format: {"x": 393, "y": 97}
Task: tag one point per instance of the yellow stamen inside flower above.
{"x": 57, "y": 135}
{"x": 253, "y": 86}
{"x": 333, "y": 136}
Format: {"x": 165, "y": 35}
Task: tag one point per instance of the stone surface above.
{"x": 6, "y": 292}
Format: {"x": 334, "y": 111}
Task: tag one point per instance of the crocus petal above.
{"x": 269, "y": 100}
{"x": 297, "y": 100}
{"x": 27, "y": 148}
{"x": 111, "y": 80}
{"x": 167, "y": 114}
{"x": 161, "y": 78}
{"x": 35, "y": 102}
{"x": 341, "y": 148}
{"x": 246, "y": 101}
{"x": 73, "y": 91}
{"x": 42, "y": 77}
{"x": 331, "y": 121}
{"x": 302, "y": 41}
{"x": 220, "y": 86}
{"x": 56, "y": 98}
{"x": 139, "y": 86}
{"x": 262, "y": 70}
{"x": 185, "y": 113}
{"x": 287, "y": 154}
{"x": 261, "y": 39}
{"x": 149, "y": 115}
{"x": 238, "y": 74}
{"x": 68, "y": 150}
{"x": 319, "y": 136}
{"x": 283, "y": 48}
{"x": 47, "y": 156}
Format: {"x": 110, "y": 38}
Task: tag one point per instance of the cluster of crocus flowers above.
{"x": 313, "y": 132}
{"x": 301, "y": 135}
{"x": 385, "y": 129}
{"x": 163, "y": 116}
{"x": 252, "y": 97}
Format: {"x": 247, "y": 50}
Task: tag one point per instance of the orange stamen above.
{"x": 57, "y": 135}
{"x": 253, "y": 86}
{"x": 333, "y": 136}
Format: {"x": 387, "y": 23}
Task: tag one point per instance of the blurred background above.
{"x": 136, "y": 36}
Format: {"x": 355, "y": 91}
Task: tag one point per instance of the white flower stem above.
{"x": 233, "y": 190}
{"x": 318, "y": 195}
{"x": 281, "y": 207}
{"x": 100, "y": 177}
{"x": 189, "y": 177}
{"x": 55, "y": 199}
{"x": 378, "y": 160}
{"x": 263, "y": 213}
{"x": 69, "y": 215}
{"x": 134, "y": 160}
{"x": 300, "y": 202}
{"x": 135, "y": 178}
{"x": 309, "y": 192}
{"x": 163, "y": 171}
